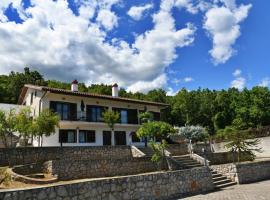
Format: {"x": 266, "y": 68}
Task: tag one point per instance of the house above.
{"x": 81, "y": 121}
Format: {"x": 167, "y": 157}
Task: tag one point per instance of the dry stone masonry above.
{"x": 159, "y": 185}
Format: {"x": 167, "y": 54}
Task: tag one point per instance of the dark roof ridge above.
{"x": 85, "y": 94}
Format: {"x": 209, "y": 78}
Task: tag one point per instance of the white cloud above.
{"x": 64, "y": 46}
{"x": 171, "y": 92}
{"x": 107, "y": 19}
{"x": 222, "y": 24}
{"x": 237, "y": 72}
{"x": 177, "y": 81}
{"x": 188, "y": 79}
{"x": 265, "y": 82}
{"x": 136, "y": 12}
{"x": 239, "y": 83}
{"x": 187, "y": 4}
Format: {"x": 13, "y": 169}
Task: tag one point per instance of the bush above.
{"x": 5, "y": 177}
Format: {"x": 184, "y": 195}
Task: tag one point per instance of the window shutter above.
{"x": 53, "y": 106}
{"x": 73, "y": 111}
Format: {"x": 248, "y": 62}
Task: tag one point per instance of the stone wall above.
{"x": 18, "y": 156}
{"x": 245, "y": 172}
{"x": 217, "y": 158}
{"x": 162, "y": 185}
{"x": 177, "y": 149}
{"x": 77, "y": 169}
{"x": 253, "y": 171}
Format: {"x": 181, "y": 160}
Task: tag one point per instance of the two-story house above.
{"x": 81, "y": 121}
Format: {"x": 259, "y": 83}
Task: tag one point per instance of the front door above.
{"x": 107, "y": 138}
{"x": 120, "y": 138}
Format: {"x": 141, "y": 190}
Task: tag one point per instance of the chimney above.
{"x": 74, "y": 86}
{"x": 115, "y": 90}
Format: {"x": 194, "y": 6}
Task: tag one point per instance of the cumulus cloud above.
{"x": 136, "y": 12}
{"x": 223, "y": 25}
{"x": 239, "y": 82}
{"x": 237, "y": 72}
{"x": 107, "y": 19}
{"x": 188, "y": 79}
{"x": 265, "y": 82}
{"x": 65, "y": 46}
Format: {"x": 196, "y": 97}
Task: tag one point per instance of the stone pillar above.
{"x": 113, "y": 139}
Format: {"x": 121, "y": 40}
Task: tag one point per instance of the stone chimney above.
{"x": 74, "y": 86}
{"x": 115, "y": 90}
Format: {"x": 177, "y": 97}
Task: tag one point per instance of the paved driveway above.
{"x": 254, "y": 191}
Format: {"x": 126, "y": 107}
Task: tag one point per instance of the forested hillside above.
{"x": 209, "y": 108}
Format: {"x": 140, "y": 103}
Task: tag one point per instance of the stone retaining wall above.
{"x": 217, "y": 158}
{"x": 18, "y": 156}
{"x": 163, "y": 185}
{"x": 77, "y": 169}
{"x": 177, "y": 149}
{"x": 245, "y": 172}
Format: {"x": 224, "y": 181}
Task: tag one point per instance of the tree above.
{"x": 155, "y": 129}
{"x": 45, "y": 124}
{"x": 111, "y": 118}
{"x": 24, "y": 124}
{"x": 7, "y": 126}
{"x": 193, "y": 133}
{"x": 240, "y": 142}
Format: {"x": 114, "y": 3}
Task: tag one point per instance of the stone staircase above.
{"x": 186, "y": 162}
{"x": 147, "y": 151}
{"x": 221, "y": 181}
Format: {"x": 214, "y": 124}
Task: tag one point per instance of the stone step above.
{"x": 221, "y": 182}
{"x": 225, "y": 185}
{"x": 219, "y": 178}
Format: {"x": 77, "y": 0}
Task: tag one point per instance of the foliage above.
{"x": 45, "y": 123}
{"x": 5, "y": 177}
{"x": 111, "y": 118}
{"x": 24, "y": 124}
{"x": 145, "y": 117}
{"x": 240, "y": 142}
{"x": 155, "y": 129}
{"x": 211, "y": 109}
{"x": 159, "y": 149}
{"x": 193, "y": 133}
{"x": 7, "y": 126}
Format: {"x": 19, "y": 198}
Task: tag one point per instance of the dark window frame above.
{"x": 71, "y": 111}
{"x": 87, "y": 136}
{"x": 64, "y": 138}
{"x": 98, "y": 110}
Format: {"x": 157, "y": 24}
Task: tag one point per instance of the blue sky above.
{"x": 140, "y": 44}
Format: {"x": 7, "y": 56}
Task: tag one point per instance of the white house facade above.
{"x": 81, "y": 121}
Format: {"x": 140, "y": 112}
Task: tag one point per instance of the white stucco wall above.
{"x": 53, "y": 140}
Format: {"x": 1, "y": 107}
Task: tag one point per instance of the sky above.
{"x": 139, "y": 44}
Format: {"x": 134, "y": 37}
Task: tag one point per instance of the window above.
{"x": 31, "y": 100}
{"x": 66, "y": 111}
{"x": 134, "y": 137}
{"x": 124, "y": 117}
{"x": 94, "y": 113}
{"x": 156, "y": 116}
{"x": 127, "y": 116}
{"x": 67, "y": 136}
{"x": 87, "y": 136}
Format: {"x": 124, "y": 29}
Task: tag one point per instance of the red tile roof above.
{"x": 85, "y": 94}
